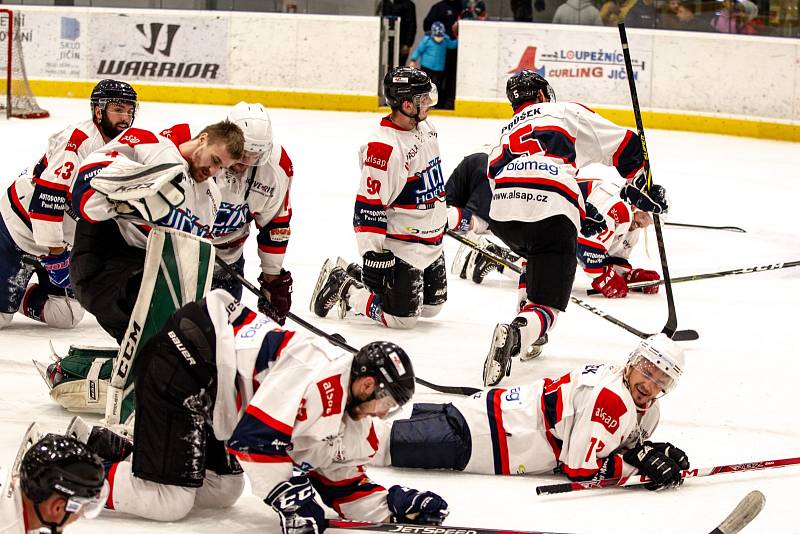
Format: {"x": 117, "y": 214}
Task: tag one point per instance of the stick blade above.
{"x": 747, "y": 509}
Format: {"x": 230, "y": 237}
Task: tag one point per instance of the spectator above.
{"x": 679, "y": 16}
{"x": 610, "y": 13}
{"x": 642, "y": 15}
{"x": 578, "y": 12}
{"x": 446, "y": 12}
{"x": 523, "y": 11}
{"x": 431, "y": 53}
{"x": 474, "y": 10}
{"x": 736, "y": 17}
{"x": 407, "y": 11}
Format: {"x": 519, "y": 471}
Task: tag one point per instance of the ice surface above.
{"x": 737, "y": 401}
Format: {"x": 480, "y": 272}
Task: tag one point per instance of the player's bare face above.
{"x": 641, "y": 219}
{"x": 208, "y": 159}
{"x": 643, "y": 387}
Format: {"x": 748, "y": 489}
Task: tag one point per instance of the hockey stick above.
{"x": 704, "y": 276}
{"x": 680, "y": 335}
{"x": 333, "y": 338}
{"x": 747, "y": 509}
{"x": 672, "y": 318}
{"x": 705, "y": 227}
{"x": 640, "y": 480}
{"x": 335, "y": 524}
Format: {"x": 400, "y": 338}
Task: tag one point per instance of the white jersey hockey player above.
{"x": 400, "y": 216}
{"x": 605, "y": 256}
{"x": 59, "y": 481}
{"x": 537, "y": 207}
{"x": 590, "y": 424}
{"x": 282, "y": 402}
{"x": 256, "y": 189}
{"x": 37, "y": 217}
{"x": 138, "y": 180}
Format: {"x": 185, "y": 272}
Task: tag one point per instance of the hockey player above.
{"x": 593, "y": 423}
{"x": 169, "y": 173}
{"x": 35, "y": 234}
{"x": 59, "y": 481}
{"x": 257, "y": 189}
{"x": 400, "y": 215}
{"x": 219, "y": 374}
{"x": 604, "y": 257}
{"x": 538, "y": 208}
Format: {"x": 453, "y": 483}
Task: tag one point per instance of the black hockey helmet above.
{"x": 107, "y": 91}
{"x": 524, "y": 86}
{"x": 389, "y": 365}
{"x": 404, "y": 84}
{"x": 61, "y": 465}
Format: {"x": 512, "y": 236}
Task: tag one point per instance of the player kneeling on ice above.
{"x": 590, "y": 424}
{"x": 219, "y": 383}
{"x": 59, "y": 481}
{"x": 399, "y": 216}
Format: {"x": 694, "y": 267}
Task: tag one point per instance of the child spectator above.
{"x": 431, "y": 52}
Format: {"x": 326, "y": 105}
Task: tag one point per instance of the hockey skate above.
{"x": 534, "y": 350}
{"x": 51, "y": 373}
{"x": 505, "y": 345}
{"x": 331, "y": 288}
{"x": 461, "y": 261}
{"x": 102, "y": 441}
{"x": 353, "y": 271}
{"x": 480, "y": 265}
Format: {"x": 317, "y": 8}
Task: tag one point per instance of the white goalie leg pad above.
{"x": 5, "y": 319}
{"x": 219, "y": 491}
{"x": 62, "y": 312}
{"x": 83, "y": 396}
{"x": 144, "y": 498}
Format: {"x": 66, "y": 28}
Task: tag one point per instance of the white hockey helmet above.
{"x": 254, "y": 121}
{"x": 660, "y": 359}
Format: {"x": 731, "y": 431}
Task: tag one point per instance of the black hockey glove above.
{"x": 378, "y": 271}
{"x": 412, "y": 506}
{"x": 637, "y": 195}
{"x": 294, "y": 502}
{"x": 672, "y": 452}
{"x": 658, "y": 466}
{"x": 593, "y": 223}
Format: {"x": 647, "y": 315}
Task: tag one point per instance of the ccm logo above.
{"x": 378, "y": 156}
{"x": 331, "y": 393}
{"x": 608, "y": 409}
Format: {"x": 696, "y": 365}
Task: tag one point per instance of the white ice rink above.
{"x": 738, "y": 400}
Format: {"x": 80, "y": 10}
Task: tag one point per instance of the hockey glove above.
{"x": 636, "y": 193}
{"x": 658, "y": 466}
{"x": 643, "y": 275}
{"x": 294, "y": 502}
{"x": 459, "y": 219}
{"x": 378, "y": 271}
{"x": 279, "y": 290}
{"x": 610, "y": 284}
{"x": 672, "y": 452}
{"x": 57, "y": 267}
{"x": 593, "y": 223}
{"x": 420, "y": 508}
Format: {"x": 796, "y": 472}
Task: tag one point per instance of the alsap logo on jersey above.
{"x": 164, "y": 49}
{"x": 331, "y": 394}
{"x": 608, "y": 409}
{"x": 378, "y": 156}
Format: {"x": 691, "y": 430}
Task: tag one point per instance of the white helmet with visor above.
{"x": 660, "y": 359}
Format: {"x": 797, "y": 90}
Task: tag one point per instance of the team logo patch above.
{"x": 397, "y": 363}
{"x": 137, "y": 136}
{"x": 399, "y": 79}
{"x": 608, "y": 409}
{"x": 619, "y": 213}
{"x": 280, "y": 234}
{"x": 331, "y": 394}
{"x": 76, "y": 140}
{"x": 378, "y": 156}
{"x": 302, "y": 415}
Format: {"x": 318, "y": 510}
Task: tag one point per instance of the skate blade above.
{"x": 327, "y": 267}
{"x": 493, "y": 370}
{"x": 42, "y": 368}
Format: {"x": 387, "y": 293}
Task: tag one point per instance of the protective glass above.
{"x": 385, "y": 402}
{"x": 427, "y": 100}
{"x": 652, "y": 372}
{"x": 89, "y": 507}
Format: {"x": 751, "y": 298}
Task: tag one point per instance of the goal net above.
{"x": 16, "y": 97}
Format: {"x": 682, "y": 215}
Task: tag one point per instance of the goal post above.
{"x": 16, "y": 97}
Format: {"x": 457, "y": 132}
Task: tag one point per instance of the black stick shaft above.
{"x": 706, "y": 227}
{"x": 672, "y": 319}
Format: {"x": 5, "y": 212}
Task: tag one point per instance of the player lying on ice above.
{"x": 220, "y": 383}
{"x": 590, "y": 424}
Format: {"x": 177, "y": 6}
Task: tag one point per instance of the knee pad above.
{"x": 431, "y": 310}
{"x": 435, "y": 437}
{"x": 5, "y": 319}
{"x": 219, "y": 491}
{"x": 401, "y": 323}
